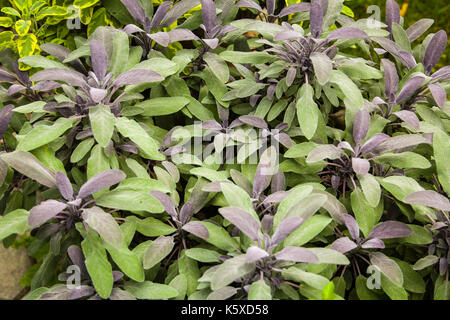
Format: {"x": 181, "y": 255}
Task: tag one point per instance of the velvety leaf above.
{"x": 409, "y": 117}
{"x": 343, "y": 245}
{"x": 434, "y": 50}
{"x": 388, "y": 267}
{"x": 439, "y": 94}
{"x": 254, "y": 254}
{"x": 157, "y": 251}
{"x": 417, "y": 29}
{"x": 307, "y": 111}
{"x": 231, "y": 270}
{"x": 391, "y": 78}
{"x": 373, "y": 244}
{"x": 64, "y": 185}
{"x": 101, "y": 181}
{"x": 392, "y": 14}
{"x": 322, "y": 65}
{"x": 242, "y": 220}
{"x": 166, "y": 202}
{"x": 104, "y": 224}
{"x": 71, "y": 77}
{"x": 322, "y": 152}
{"x": 285, "y": 228}
{"x": 346, "y": 33}
{"x": 441, "y": 147}
{"x": 410, "y": 87}
{"x": 296, "y": 254}
{"x": 135, "y": 9}
{"x": 137, "y": 76}
{"x": 390, "y": 229}
{"x": 99, "y": 59}
{"x": 13, "y": 222}
{"x": 360, "y": 166}
{"x": 315, "y": 19}
{"x": 259, "y": 291}
{"x": 428, "y": 198}
{"x": 208, "y": 14}
{"x": 102, "y": 123}
{"x": 150, "y": 290}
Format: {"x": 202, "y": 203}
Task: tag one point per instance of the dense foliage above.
{"x": 225, "y": 150}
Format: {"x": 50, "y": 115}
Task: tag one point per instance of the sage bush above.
{"x": 227, "y": 150}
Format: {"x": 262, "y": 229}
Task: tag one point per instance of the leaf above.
{"x": 162, "y": 106}
{"x": 428, "y": 198}
{"x": 150, "y": 290}
{"x": 242, "y": 220}
{"x": 296, "y": 254}
{"x": 346, "y": 33}
{"x": 361, "y": 126}
{"x": 343, "y": 245}
{"x": 307, "y": 231}
{"x": 13, "y": 222}
{"x": 230, "y": 270}
{"x": 322, "y": 152}
{"x": 394, "y": 291}
{"x": 285, "y": 228}
{"x": 222, "y": 294}
{"x": 409, "y": 88}
{"x": 434, "y": 50}
{"x": 255, "y": 254}
{"x": 412, "y": 280}
{"x": 98, "y": 266}
{"x": 128, "y": 262}
{"x": 157, "y": 251}
{"x": 104, "y": 224}
{"x": 102, "y": 123}
{"x": 152, "y": 227}
{"x": 259, "y": 290}
{"x": 99, "y": 59}
{"x": 216, "y": 63}
{"x": 390, "y": 229}
{"x": 400, "y": 142}
{"x": 401, "y": 37}
{"x": 410, "y": 118}
{"x": 129, "y": 200}
{"x": 360, "y": 166}
{"x": 322, "y": 66}
{"x": 403, "y": 160}
{"x": 213, "y": 234}
{"x": 364, "y": 213}
{"x": 42, "y": 62}
{"x": 28, "y": 165}
{"x": 26, "y": 45}
{"x": 41, "y": 135}
{"x": 237, "y": 197}
{"x": 132, "y": 130}
{"x": 316, "y": 19}
{"x": 371, "y": 189}
{"x": 137, "y": 76}
{"x": 101, "y": 181}
{"x": 71, "y": 77}
{"x": 307, "y": 111}
{"x": 253, "y": 57}
{"x": 392, "y": 14}
{"x": 441, "y": 147}
{"x": 44, "y": 212}
{"x": 425, "y": 262}
{"x": 388, "y": 267}
{"x": 311, "y": 279}
{"x": 391, "y": 78}
{"x": 203, "y": 255}
{"x": 329, "y": 256}
{"x": 417, "y": 29}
